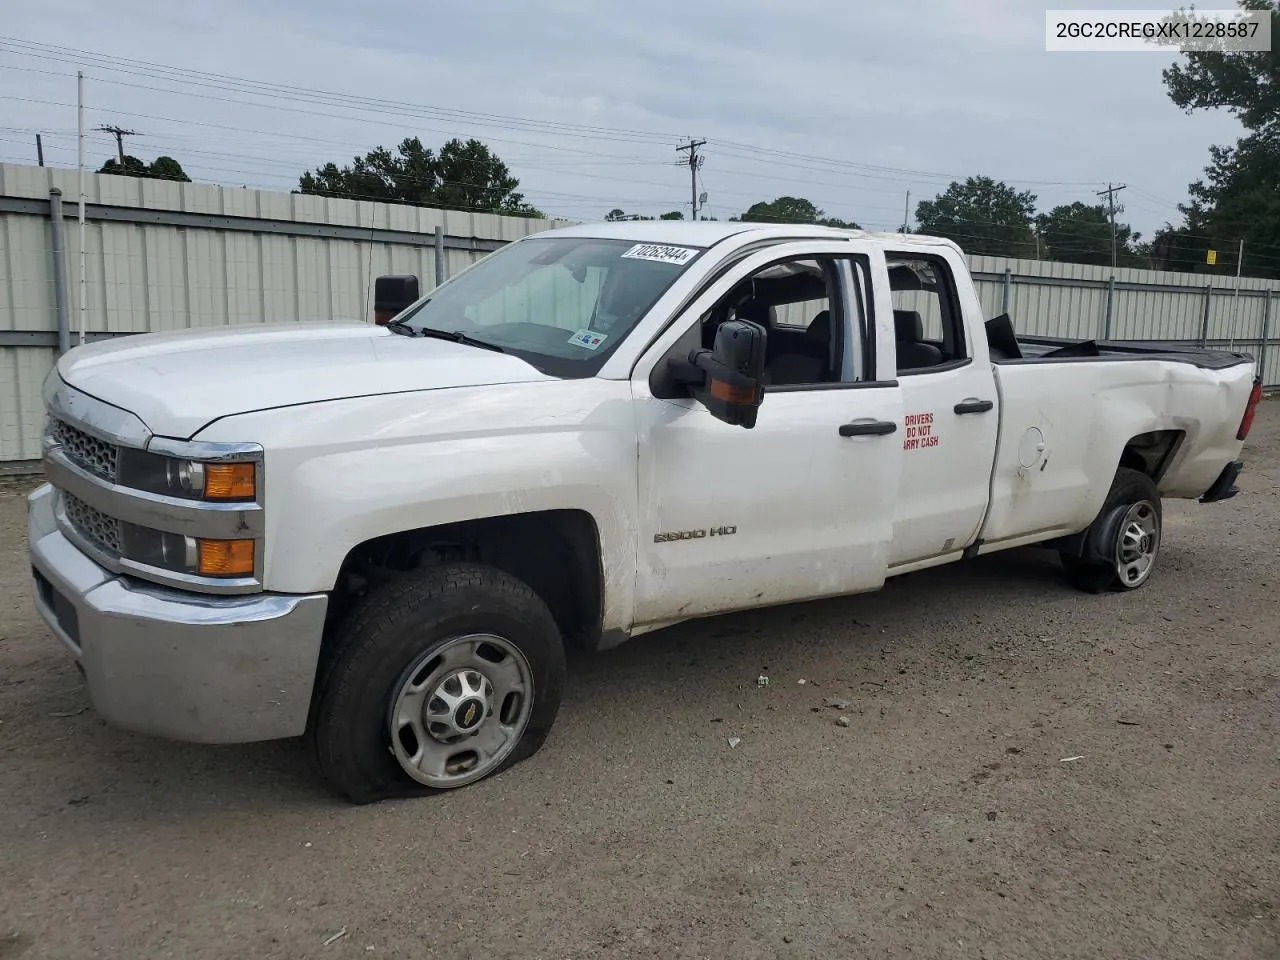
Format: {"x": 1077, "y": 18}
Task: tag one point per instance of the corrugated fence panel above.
{"x": 22, "y": 374}
{"x": 307, "y": 264}
{"x": 26, "y": 271}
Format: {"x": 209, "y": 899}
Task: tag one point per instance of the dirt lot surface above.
{"x": 944, "y": 821}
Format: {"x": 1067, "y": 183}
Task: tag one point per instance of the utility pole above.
{"x": 1111, "y": 203}
{"x": 119, "y": 134}
{"x": 1235, "y": 297}
{"x": 906, "y": 212}
{"x": 84, "y": 300}
{"x": 39, "y": 151}
{"x": 695, "y": 163}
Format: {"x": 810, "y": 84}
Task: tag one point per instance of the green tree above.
{"x": 161, "y": 168}
{"x": 464, "y": 175}
{"x": 983, "y": 216}
{"x": 791, "y": 210}
{"x": 1081, "y": 233}
{"x": 1246, "y": 83}
{"x": 1239, "y": 196}
{"x": 617, "y": 213}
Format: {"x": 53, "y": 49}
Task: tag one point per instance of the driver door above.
{"x": 801, "y": 506}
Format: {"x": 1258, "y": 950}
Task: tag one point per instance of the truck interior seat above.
{"x": 800, "y": 356}
{"x": 913, "y": 351}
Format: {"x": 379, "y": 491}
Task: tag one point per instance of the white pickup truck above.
{"x": 381, "y": 536}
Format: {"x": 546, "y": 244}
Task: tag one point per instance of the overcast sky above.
{"x": 850, "y": 103}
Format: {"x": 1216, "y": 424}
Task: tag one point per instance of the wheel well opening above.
{"x": 1152, "y": 453}
{"x": 555, "y": 552}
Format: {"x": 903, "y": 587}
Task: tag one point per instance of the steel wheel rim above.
{"x": 459, "y": 710}
{"x": 1137, "y": 543}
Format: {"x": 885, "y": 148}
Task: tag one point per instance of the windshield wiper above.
{"x": 402, "y": 328}
{"x": 457, "y": 337}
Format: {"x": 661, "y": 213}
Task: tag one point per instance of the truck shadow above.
{"x": 916, "y": 617}
{"x": 905, "y": 614}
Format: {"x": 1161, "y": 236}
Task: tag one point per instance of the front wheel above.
{"x": 437, "y": 681}
{"x": 1123, "y": 543}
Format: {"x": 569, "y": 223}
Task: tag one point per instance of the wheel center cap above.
{"x": 469, "y": 713}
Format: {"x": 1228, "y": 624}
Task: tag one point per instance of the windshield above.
{"x": 561, "y": 303}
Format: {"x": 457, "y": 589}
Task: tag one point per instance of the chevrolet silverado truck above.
{"x": 381, "y": 537}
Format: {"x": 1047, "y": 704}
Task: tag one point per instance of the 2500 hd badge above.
{"x": 726, "y": 531}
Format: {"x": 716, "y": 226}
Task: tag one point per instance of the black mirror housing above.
{"x": 391, "y": 294}
{"x": 733, "y": 372}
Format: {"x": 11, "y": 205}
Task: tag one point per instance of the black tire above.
{"x": 348, "y": 730}
{"x": 1097, "y": 570}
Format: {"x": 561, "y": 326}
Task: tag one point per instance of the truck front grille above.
{"x": 96, "y": 456}
{"x": 94, "y": 525}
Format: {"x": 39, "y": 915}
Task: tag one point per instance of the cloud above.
{"x": 924, "y": 88}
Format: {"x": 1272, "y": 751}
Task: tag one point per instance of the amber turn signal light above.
{"x": 225, "y": 558}
{"x": 229, "y": 481}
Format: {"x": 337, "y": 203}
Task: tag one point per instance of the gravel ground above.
{"x": 944, "y": 821}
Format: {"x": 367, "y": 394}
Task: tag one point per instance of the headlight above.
{"x": 196, "y": 556}
{"x": 212, "y": 481}
{"x": 189, "y": 479}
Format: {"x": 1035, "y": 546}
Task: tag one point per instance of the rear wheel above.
{"x": 1122, "y": 545}
{"x": 437, "y": 681}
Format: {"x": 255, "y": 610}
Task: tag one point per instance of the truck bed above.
{"x": 1007, "y": 347}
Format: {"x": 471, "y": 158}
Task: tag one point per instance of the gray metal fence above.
{"x": 164, "y": 256}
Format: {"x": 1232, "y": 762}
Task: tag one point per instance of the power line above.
{"x": 294, "y": 93}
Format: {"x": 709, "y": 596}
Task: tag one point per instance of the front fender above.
{"x": 340, "y": 473}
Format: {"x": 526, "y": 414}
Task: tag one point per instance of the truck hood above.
{"x": 178, "y": 382}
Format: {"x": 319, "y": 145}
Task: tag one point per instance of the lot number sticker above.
{"x": 661, "y": 253}
{"x": 588, "y": 338}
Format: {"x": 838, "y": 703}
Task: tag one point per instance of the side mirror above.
{"x": 392, "y": 294}
{"x": 728, "y": 379}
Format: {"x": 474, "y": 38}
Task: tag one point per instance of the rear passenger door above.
{"x": 950, "y": 415}
{"x": 800, "y": 506}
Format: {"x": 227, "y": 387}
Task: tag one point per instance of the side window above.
{"x": 928, "y": 329}
{"x": 801, "y": 305}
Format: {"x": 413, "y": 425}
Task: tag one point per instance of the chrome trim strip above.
{"x": 206, "y": 451}
{"x": 222, "y": 521}
{"x": 93, "y": 416}
{"x": 158, "y": 575}
{"x": 185, "y": 581}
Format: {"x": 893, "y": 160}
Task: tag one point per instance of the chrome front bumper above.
{"x": 175, "y": 664}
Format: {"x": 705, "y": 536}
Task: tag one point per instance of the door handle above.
{"x": 868, "y": 428}
{"x": 974, "y": 406}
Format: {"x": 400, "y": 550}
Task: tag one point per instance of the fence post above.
{"x": 1204, "y": 321}
{"x": 1111, "y": 295}
{"x": 1008, "y": 282}
{"x": 440, "y": 277}
{"x": 61, "y": 295}
{"x": 1266, "y": 336}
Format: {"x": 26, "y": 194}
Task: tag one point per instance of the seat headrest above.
{"x": 820, "y": 327}
{"x": 907, "y": 326}
{"x": 757, "y": 311}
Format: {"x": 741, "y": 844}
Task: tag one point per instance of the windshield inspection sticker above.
{"x": 661, "y": 253}
{"x": 588, "y": 338}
